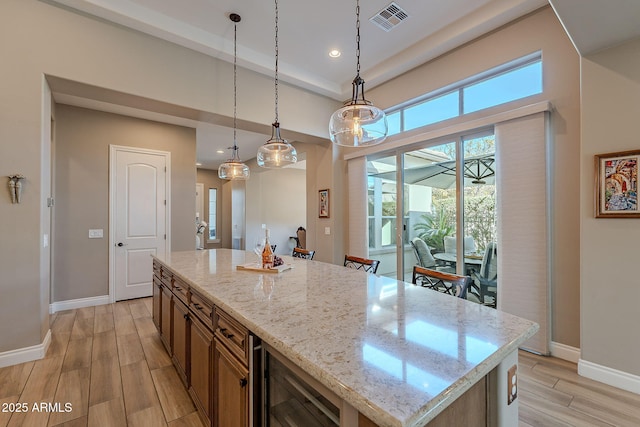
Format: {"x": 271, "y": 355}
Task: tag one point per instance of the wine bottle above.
{"x": 267, "y": 252}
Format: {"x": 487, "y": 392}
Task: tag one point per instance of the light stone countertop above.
{"x": 398, "y": 353}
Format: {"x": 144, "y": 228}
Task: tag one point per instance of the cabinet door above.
{"x": 165, "y": 321}
{"x": 181, "y": 339}
{"x": 231, "y": 389}
{"x": 201, "y": 363}
{"x": 157, "y": 299}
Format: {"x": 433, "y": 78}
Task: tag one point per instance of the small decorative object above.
{"x": 267, "y": 252}
{"x": 617, "y": 185}
{"x": 323, "y": 199}
{"x": 15, "y": 187}
{"x": 200, "y": 227}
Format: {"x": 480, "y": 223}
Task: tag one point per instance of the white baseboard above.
{"x": 610, "y": 376}
{"x": 27, "y": 354}
{"x": 565, "y": 352}
{"x": 78, "y": 303}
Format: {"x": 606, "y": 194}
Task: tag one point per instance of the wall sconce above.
{"x": 15, "y": 187}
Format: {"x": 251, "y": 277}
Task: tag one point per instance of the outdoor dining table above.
{"x": 472, "y": 261}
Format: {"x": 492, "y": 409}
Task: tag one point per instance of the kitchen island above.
{"x": 395, "y": 354}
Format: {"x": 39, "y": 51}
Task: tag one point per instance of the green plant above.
{"x": 434, "y": 227}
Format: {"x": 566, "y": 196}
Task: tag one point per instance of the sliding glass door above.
{"x": 383, "y": 213}
{"x": 446, "y": 220}
{"x": 430, "y": 184}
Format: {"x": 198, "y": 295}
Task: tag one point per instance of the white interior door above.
{"x": 139, "y": 218}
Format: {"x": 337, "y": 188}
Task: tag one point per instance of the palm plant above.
{"x": 434, "y": 227}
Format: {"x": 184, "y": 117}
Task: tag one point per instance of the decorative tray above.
{"x": 253, "y": 266}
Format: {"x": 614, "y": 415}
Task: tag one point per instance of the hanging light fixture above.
{"x": 358, "y": 122}
{"x": 234, "y": 169}
{"x": 276, "y": 152}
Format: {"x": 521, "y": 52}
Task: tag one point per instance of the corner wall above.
{"x": 83, "y": 137}
{"x": 610, "y": 288}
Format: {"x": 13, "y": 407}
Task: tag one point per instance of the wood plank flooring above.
{"x": 109, "y": 364}
{"x": 552, "y": 394}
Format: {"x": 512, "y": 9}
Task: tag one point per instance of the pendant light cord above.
{"x": 235, "y": 87}
{"x": 276, "y": 75}
{"x": 358, "y": 37}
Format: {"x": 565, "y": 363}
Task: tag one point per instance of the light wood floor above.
{"x": 552, "y": 394}
{"x": 109, "y": 363}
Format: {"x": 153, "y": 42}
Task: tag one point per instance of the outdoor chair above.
{"x": 486, "y": 281}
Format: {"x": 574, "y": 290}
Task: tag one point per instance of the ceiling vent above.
{"x": 389, "y": 17}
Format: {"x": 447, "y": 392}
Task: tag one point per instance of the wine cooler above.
{"x": 293, "y": 398}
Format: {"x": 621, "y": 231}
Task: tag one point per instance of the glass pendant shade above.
{"x": 358, "y": 124}
{"x": 276, "y": 152}
{"x": 233, "y": 169}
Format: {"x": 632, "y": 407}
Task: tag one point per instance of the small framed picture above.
{"x": 616, "y": 194}
{"x": 323, "y": 204}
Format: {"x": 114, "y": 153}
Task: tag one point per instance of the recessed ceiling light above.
{"x": 335, "y": 53}
{"x": 220, "y": 151}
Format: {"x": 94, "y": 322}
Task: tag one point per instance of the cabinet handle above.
{"x": 243, "y": 382}
{"x": 178, "y": 288}
{"x": 186, "y": 316}
{"x": 198, "y": 306}
{"x": 225, "y": 334}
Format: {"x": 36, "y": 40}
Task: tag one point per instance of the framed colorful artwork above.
{"x": 323, "y": 204}
{"x": 616, "y": 194}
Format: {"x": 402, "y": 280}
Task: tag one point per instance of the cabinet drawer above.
{"x": 232, "y": 334}
{"x": 156, "y": 269}
{"x": 202, "y": 308}
{"x": 167, "y": 277}
{"x": 181, "y": 290}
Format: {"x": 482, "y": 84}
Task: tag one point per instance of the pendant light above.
{"x": 358, "y": 122}
{"x": 234, "y": 169}
{"x": 276, "y": 152}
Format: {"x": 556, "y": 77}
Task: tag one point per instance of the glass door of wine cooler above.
{"x": 293, "y": 398}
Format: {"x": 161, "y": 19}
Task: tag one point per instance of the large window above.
{"x": 518, "y": 79}
{"x": 213, "y": 204}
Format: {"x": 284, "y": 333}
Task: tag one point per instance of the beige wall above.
{"x": 609, "y": 247}
{"x": 538, "y": 31}
{"x": 81, "y": 265}
{"x": 38, "y": 39}
{"x": 276, "y": 198}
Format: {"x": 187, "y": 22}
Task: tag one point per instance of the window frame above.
{"x": 460, "y": 86}
{"x": 214, "y": 214}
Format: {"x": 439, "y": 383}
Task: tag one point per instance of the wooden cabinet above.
{"x": 214, "y": 367}
{"x": 181, "y": 336}
{"x": 236, "y": 371}
{"x": 201, "y": 363}
{"x": 157, "y": 290}
{"x": 165, "y": 318}
{"x": 231, "y": 389}
{"x": 157, "y": 310}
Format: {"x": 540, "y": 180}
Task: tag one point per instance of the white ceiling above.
{"x": 308, "y": 30}
{"x": 594, "y": 25}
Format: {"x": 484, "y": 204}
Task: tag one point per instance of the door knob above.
{"x": 120, "y": 244}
